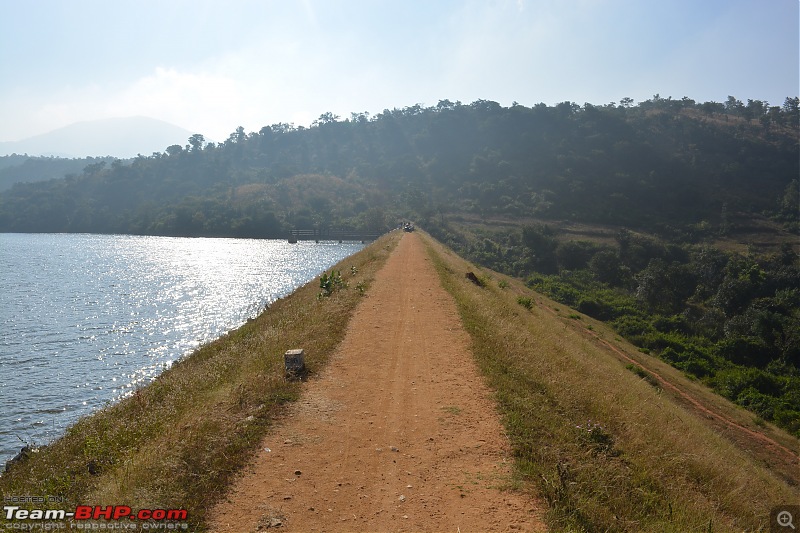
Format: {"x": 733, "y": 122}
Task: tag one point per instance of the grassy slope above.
{"x": 649, "y": 463}
{"x": 177, "y": 442}
{"x": 607, "y": 448}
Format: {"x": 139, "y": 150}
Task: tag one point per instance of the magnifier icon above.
{"x": 785, "y": 519}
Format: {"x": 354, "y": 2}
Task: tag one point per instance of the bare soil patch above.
{"x": 399, "y": 433}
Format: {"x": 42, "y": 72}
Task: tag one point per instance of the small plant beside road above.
{"x": 329, "y": 283}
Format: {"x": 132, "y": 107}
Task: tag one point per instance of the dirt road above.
{"x": 398, "y": 434}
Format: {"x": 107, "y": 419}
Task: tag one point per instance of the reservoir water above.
{"x": 85, "y": 319}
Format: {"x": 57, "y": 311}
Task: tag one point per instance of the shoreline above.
{"x": 90, "y": 318}
{"x": 198, "y": 421}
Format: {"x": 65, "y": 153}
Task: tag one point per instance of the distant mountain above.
{"x": 118, "y": 137}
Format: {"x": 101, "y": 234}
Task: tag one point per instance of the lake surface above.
{"x": 85, "y": 319}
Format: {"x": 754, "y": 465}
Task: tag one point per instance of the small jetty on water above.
{"x": 340, "y": 235}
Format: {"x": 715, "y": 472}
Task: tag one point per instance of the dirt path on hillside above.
{"x": 782, "y": 460}
{"x": 398, "y": 434}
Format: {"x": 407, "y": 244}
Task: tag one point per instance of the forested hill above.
{"x": 661, "y": 194}
{"x": 660, "y": 165}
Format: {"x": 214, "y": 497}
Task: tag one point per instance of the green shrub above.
{"x": 758, "y": 402}
{"x": 750, "y": 351}
{"x": 329, "y": 283}
{"x": 634, "y": 328}
{"x": 699, "y": 368}
{"x": 556, "y": 289}
{"x": 593, "y": 308}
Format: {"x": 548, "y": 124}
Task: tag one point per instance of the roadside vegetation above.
{"x": 728, "y": 318}
{"x": 598, "y": 437}
{"x": 177, "y": 442}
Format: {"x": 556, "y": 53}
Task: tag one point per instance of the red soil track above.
{"x": 398, "y": 434}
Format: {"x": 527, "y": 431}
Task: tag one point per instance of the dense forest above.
{"x": 665, "y": 192}
{"x": 662, "y": 165}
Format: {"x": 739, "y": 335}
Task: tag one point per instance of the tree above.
{"x": 174, "y": 149}
{"x": 567, "y": 108}
{"x": 756, "y": 108}
{"x": 734, "y": 106}
{"x": 712, "y": 107}
{"x": 606, "y": 267}
{"x": 282, "y": 127}
{"x": 775, "y": 115}
{"x": 574, "y": 255}
{"x": 790, "y": 203}
{"x": 237, "y": 136}
{"x": 326, "y": 118}
{"x": 791, "y": 106}
{"x": 445, "y": 105}
{"x": 196, "y": 142}
{"x": 541, "y": 242}
{"x": 94, "y": 168}
{"x": 359, "y": 118}
{"x": 664, "y": 288}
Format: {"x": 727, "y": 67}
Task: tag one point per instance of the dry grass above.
{"x": 749, "y": 231}
{"x": 177, "y": 442}
{"x": 605, "y": 448}
{"x": 757, "y": 233}
{"x": 599, "y": 234}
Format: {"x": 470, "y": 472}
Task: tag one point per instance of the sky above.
{"x": 211, "y": 66}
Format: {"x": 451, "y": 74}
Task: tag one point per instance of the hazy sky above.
{"x": 211, "y": 66}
